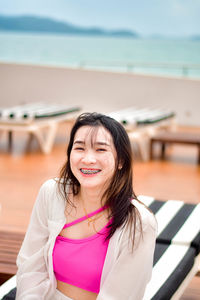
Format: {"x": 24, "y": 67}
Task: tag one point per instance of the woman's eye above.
{"x": 79, "y": 148}
{"x": 101, "y": 149}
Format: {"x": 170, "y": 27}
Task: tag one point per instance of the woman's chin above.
{"x": 91, "y": 185}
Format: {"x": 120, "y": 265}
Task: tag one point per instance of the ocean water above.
{"x": 147, "y": 56}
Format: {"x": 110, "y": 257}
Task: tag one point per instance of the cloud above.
{"x": 184, "y": 8}
{"x": 179, "y": 9}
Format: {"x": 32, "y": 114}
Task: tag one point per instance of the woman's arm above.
{"x": 32, "y": 275}
{"x": 132, "y": 269}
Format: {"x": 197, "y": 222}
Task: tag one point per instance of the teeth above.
{"x": 89, "y": 171}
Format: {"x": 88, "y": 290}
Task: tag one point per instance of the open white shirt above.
{"x": 126, "y": 271}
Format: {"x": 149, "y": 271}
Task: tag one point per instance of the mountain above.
{"x": 41, "y": 24}
{"x": 195, "y": 37}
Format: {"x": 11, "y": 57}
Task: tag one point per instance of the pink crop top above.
{"x": 79, "y": 262}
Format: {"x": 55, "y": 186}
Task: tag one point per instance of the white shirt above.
{"x": 125, "y": 274}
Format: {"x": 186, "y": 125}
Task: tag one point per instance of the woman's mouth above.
{"x": 89, "y": 171}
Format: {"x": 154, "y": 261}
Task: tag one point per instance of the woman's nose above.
{"x": 89, "y": 157}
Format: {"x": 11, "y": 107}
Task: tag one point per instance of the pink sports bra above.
{"x": 79, "y": 262}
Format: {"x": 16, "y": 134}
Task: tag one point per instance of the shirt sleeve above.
{"x": 133, "y": 267}
{"x": 32, "y": 275}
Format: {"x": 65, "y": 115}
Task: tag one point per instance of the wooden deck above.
{"x": 22, "y": 173}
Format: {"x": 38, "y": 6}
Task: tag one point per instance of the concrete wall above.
{"x": 99, "y": 91}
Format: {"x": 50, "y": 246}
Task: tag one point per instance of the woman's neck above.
{"x": 90, "y": 199}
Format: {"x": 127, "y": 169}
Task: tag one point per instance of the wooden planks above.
{"x": 10, "y": 244}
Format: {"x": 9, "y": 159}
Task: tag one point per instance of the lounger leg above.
{"x": 151, "y": 150}
{"x": 143, "y": 146}
{"x": 142, "y": 141}
{"x": 46, "y": 142}
{"x": 30, "y": 138}
{"x": 10, "y": 140}
{"x": 162, "y": 150}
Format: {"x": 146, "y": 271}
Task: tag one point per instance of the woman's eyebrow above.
{"x": 96, "y": 143}
{"x": 79, "y": 142}
{"x": 102, "y": 143}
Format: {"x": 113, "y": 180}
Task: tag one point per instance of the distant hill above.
{"x": 41, "y": 24}
{"x": 195, "y": 37}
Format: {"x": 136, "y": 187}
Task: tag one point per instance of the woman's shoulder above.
{"x": 50, "y": 197}
{"x": 53, "y": 188}
{"x": 52, "y": 183}
{"x": 146, "y": 216}
{"x": 49, "y": 185}
{"x": 144, "y": 227}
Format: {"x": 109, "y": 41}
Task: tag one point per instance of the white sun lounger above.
{"x": 40, "y": 120}
{"x": 177, "y": 254}
{"x": 141, "y": 124}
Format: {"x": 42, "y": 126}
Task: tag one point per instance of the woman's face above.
{"x": 93, "y": 157}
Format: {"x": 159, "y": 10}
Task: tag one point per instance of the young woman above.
{"x": 89, "y": 237}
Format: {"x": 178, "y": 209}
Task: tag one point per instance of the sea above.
{"x": 157, "y": 56}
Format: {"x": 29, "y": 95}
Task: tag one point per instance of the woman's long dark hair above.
{"x": 120, "y": 192}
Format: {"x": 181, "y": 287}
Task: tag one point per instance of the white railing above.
{"x": 184, "y": 69}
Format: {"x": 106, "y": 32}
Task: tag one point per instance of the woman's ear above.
{"x": 120, "y": 166}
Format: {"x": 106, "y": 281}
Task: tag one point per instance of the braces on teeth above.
{"x": 89, "y": 171}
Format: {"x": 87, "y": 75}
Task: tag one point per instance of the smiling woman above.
{"x": 93, "y": 157}
{"x": 89, "y": 237}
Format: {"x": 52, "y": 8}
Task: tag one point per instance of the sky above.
{"x": 146, "y": 17}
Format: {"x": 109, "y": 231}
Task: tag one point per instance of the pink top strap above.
{"x": 85, "y": 217}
